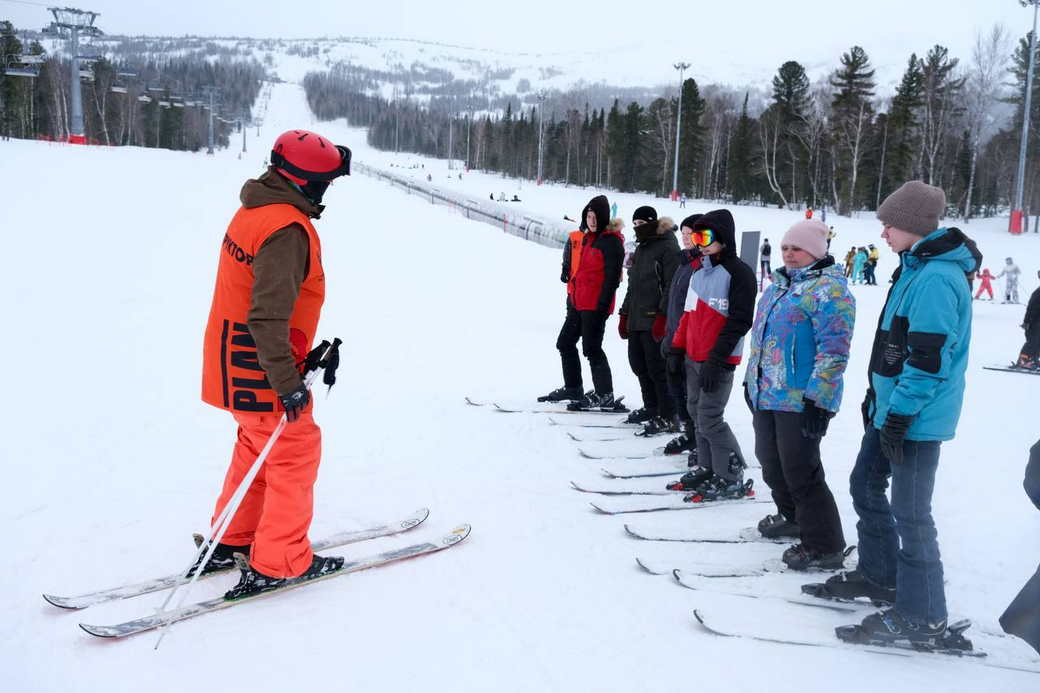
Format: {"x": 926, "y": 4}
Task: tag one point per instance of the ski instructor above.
{"x": 268, "y": 296}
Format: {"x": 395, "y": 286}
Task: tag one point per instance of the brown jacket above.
{"x": 279, "y": 269}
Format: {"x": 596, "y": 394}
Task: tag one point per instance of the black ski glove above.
{"x": 295, "y": 402}
{"x": 747, "y": 400}
{"x": 865, "y": 411}
{"x": 674, "y": 362}
{"x": 709, "y": 377}
{"x": 814, "y": 420}
{"x": 893, "y": 433}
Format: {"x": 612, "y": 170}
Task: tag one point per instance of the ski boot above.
{"x": 850, "y": 586}
{"x": 890, "y": 628}
{"x": 223, "y": 557}
{"x": 716, "y": 488}
{"x": 593, "y": 400}
{"x": 777, "y": 527}
{"x": 798, "y": 557}
{"x": 254, "y": 582}
{"x": 638, "y": 416}
{"x": 562, "y": 394}
{"x": 691, "y": 480}
{"x": 658, "y": 425}
{"x": 691, "y": 459}
{"x": 680, "y": 444}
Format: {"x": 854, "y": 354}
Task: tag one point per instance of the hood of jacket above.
{"x": 601, "y": 208}
{"x": 720, "y": 221}
{"x": 826, "y": 267}
{"x": 272, "y": 189}
{"x": 944, "y": 245}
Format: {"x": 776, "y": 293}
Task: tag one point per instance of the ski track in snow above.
{"x": 112, "y": 461}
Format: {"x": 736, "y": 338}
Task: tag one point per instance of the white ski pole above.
{"x": 231, "y": 507}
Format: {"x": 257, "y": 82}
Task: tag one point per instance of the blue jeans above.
{"x": 898, "y": 544}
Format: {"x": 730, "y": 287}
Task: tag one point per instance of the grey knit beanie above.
{"x": 915, "y": 208}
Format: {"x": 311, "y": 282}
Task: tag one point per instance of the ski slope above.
{"x": 112, "y": 460}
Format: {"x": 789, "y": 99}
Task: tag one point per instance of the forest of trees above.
{"x": 834, "y": 143}
{"x": 131, "y": 99}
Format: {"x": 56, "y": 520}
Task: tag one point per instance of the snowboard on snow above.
{"x": 136, "y": 589}
{"x": 157, "y": 620}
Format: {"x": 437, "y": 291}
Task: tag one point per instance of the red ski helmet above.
{"x": 303, "y": 156}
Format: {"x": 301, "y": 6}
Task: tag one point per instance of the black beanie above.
{"x": 689, "y": 221}
{"x": 645, "y": 213}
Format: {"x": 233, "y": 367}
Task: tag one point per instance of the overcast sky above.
{"x": 764, "y": 32}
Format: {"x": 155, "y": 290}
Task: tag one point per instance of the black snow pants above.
{"x": 644, "y": 356}
{"x": 792, "y": 468}
{"x": 588, "y": 326}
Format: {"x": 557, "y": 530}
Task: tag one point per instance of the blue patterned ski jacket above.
{"x": 800, "y": 339}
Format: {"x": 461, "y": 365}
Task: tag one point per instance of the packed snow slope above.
{"x": 111, "y": 459}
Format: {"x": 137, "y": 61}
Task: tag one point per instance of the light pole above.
{"x": 1016, "y": 211}
{"x": 541, "y": 120}
{"x": 678, "y": 121}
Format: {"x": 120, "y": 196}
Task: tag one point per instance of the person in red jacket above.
{"x": 986, "y": 285}
{"x": 591, "y": 290}
{"x": 720, "y": 307}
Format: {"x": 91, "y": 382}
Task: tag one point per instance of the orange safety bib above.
{"x": 574, "y": 238}
{"x": 232, "y": 377}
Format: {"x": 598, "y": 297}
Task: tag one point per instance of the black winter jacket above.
{"x": 654, "y": 262}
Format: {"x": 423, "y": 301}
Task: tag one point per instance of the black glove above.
{"x": 747, "y": 400}
{"x": 865, "y": 411}
{"x": 893, "y": 433}
{"x": 709, "y": 377}
{"x": 564, "y": 277}
{"x": 295, "y": 402}
{"x": 814, "y": 420}
{"x": 674, "y": 361}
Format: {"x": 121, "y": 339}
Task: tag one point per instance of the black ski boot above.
{"x": 679, "y": 445}
{"x": 608, "y": 404}
{"x": 638, "y": 416}
{"x": 691, "y": 459}
{"x": 850, "y": 586}
{"x": 658, "y": 425}
{"x": 223, "y": 557}
{"x": 562, "y": 394}
{"x": 889, "y": 627}
{"x": 777, "y": 527}
{"x": 587, "y": 401}
{"x": 253, "y": 582}
{"x": 798, "y": 557}
{"x": 716, "y": 488}
{"x": 691, "y": 480}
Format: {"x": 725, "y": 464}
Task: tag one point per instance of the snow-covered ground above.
{"x": 112, "y": 461}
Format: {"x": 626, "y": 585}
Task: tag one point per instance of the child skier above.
{"x": 986, "y": 284}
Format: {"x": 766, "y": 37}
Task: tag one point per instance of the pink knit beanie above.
{"x": 810, "y": 235}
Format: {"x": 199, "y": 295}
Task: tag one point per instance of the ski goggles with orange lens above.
{"x": 703, "y": 238}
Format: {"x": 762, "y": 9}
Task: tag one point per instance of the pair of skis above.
{"x": 157, "y": 620}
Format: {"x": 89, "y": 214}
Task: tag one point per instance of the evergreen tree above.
{"x": 852, "y": 115}
{"x": 741, "y": 155}
{"x": 691, "y": 137}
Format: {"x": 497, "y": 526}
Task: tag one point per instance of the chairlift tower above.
{"x": 71, "y": 24}
{"x": 212, "y": 91}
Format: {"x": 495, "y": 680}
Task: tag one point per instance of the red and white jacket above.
{"x": 719, "y": 310}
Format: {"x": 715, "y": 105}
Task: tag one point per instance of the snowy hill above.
{"x": 113, "y": 461}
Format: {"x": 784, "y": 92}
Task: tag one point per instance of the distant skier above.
{"x": 808, "y": 213}
{"x": 859, "y": 261}
{"x": 1029, "y": 357}
{"x": 269, "y": 292}
{"x": 1012, "y": 272}
{"x": 595, "y": 281}
{"x": 850, "y": 257}
{"x": 986, "y": 284}
{"x": 719, "y": 309}
{"x": 766, "y": 253}
{"x": 1022, "y": 617}
{"x": 913, "y": 402}
{"x": 682, "y": 201}
{"x": 798, "y": 352}
{"x": 873, "y": 255}
{"x": 642, "y": 318}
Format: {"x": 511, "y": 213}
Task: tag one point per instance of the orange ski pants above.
{"x": 276, "y": 511}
